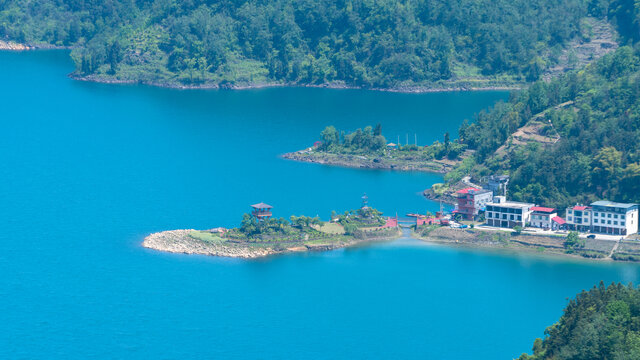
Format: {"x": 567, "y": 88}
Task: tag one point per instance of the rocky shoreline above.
{"x": 600, "y": 250}
{"x": 6, "y": 45}
{"x": 180, "y": 241}
{"x": 13, "y": 46}
{"x": 99, "y": 78}
{"x": 364, "y": 162}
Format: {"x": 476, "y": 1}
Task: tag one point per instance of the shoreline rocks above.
{"x": 179, "y": 241}
{"x": 14, "y": 46}
{"x": 105, "y": 79}
{"x": 595, "y": 249}
{"x": 361, "y": 162}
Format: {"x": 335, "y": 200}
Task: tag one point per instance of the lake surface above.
{"x": 89, "y": 169}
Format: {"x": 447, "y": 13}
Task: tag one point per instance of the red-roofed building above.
{"x": 579, "y": 218}
{"x": 471, "y": 202}
{"x": 541, "y": 217}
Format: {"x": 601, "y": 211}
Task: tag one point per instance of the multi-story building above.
{"x": 507, "y": 214}
{"x": 472, "y": 201}
{"x": 498, "y": 184}
{"x": 579, "y": 218}
{"x": 542, "y": 217}
{"x": 614, "y": 218}
{"x": 604, "y": 217}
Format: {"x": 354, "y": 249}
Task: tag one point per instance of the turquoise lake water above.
{"x": 89, "y": 169}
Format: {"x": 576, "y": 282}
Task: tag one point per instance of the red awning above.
{"x": 543, "y": 209}
{"x": 466, "y": 191}
{"x": 559, "y": 220}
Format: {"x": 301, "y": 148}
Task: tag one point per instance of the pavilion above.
{"x": 261, "y": 211}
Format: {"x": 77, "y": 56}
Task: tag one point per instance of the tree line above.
{"x": 364, "y": 43}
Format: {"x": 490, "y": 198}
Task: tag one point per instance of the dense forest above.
{"x": 595, "y": 114}
{"x": 382, "y": 43}
{"x": 603, "y": 323}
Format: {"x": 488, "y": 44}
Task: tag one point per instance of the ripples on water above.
{"x": 89, "y": 169}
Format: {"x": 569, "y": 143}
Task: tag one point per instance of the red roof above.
{"x": 579, "y": 208}
{"x": 543, "y": 209}
{"x": 466, "y": 191}
{"x": 559, "y": 220}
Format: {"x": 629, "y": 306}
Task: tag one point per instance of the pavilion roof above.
{"x": 261, "y": 206}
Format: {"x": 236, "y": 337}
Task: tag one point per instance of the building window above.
{"x": 595, "y": 221}
{"x": 609, "y": 222}
{"x": 569, "y": 218}
{"x": 615, "y": 223}
{"x": 519, "y": 217}
{"x": 615, "y": 216}
{"x": 622, "y": 223}
{"x": 609, "y": 215}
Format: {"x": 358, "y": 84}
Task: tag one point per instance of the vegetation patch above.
{"x": 602, "y": 323}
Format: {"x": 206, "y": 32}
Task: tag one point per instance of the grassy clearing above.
{"x": 206, "y": 237}
{"x": 331, "y": 228}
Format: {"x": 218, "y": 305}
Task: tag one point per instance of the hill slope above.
{"x": 379, "y": 43}
{"x": 574, "y": 139}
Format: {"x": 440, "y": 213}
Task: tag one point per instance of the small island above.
{"x": 260, "y": 234}
{"x": 368, "y": 148}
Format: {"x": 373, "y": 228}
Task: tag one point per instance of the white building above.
{"x": 507, "y": 214}
{"x": 542, "y": 217}
{"x": 579, "y": 218}
{"x": 604, "y": 217}
{"x": 614, "y": 218}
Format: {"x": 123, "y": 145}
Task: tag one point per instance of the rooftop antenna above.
{"x": 398, "y": 140}
{"x": 416, "y": 138}
{"x": 365, "y": 200}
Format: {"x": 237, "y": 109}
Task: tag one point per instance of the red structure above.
{"x": 471, "y": 201}
{"x": 261, "y": 211}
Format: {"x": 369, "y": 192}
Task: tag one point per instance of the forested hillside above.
{"x": 381, "y": 43}
{"x": 595, "y": 114}
{"x": 603, "y": 323}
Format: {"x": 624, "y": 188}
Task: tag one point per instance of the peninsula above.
{"x": 368, "y": 149}
{"x": 260, "y": 234}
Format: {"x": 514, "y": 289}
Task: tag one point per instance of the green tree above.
{"x": 378, "y": 130}
{"x": 329, "y": 137}
{"x": 573, "y": 241}
{"x": 446, "y": 141}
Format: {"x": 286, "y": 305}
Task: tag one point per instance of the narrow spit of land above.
{"x": 368, "y": 149}
{"x": 205, "y": 243}
{"x": 263, "y": 237}
{"x": 401, "y": 162}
